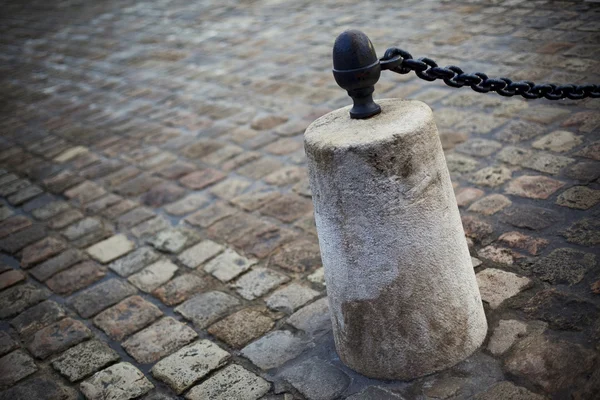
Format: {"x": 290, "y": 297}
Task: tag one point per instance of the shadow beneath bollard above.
{"x": 319, "y": 373}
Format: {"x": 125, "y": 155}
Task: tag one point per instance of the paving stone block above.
{"x": 579, "y": 197}
{"x": 64, "y": 219}
{"x": 10, "y": 278}
{"x": 585, "y": 232}
{"x": 37, "y": 317}
{"x": 182, "y": 287}
{"x": 162, "y": 194}
{"x": 82, "y": 228}
{"x": 490, "y": 205}
{"x": 206, "y": 308}
{"x": 491, "y": 176}
{"x": 153, "y": 275}
{"x": 564, "y": 266}
{"x": 235, "y": 227}
{"x": 7, "y": 343}
{"x": 57, "y": 337}
{"x": 41, "y": 251}
{"x": 254, "y": 200}
{"x": 134, "y": 261}
{"x": 375, "y": 393}
{"x": 228, "y": 265}
{"x": 190, "y": 203}
{"x": 188, "y": 365}
{"x": 111, "y": 248}
{"x": 24, "y": 237}
{"x": 275, "y": 349}
{"x": 18, "y": 298}
{"x": 91, "y": 301}
{"x": 24, "y": 195}
{"x": 84, "y": 359}
{"x": 508, "y": 390}
{"x": 85, "y": 192}
{"x": 496, "y": 285}
{"x": 174, "y": 240}
{"x": 150, "y": 227}
{"x": 201, "y": 179}
{"x": 533, "y": 187}
{"x": 232, "y": 382}
{"x": 313, "y": 319}
{"x": 56, "y": 264}
{"x": 287, "y": 208}
{"x": 15, "y": 366}
{"x": 122, "y": 207}
{"x": 529, "y": 217}
{"x": 127, "y": 317}
{"x": 133, "y": 217}
{"x": 291, "y": 297}
{"x": 558, "y": 141}
{"x": 258, "y": 282}
{"x": 200, "y": 253}
{"x": 13, "y": 224}
{"x": 521, "y": 241}
{"x": 209, "y": 215}
{"x": 158, "y": 340}
{"x": 242, "y": 327}
{"x": 505, "y": 335}
{"x": 121, "y": 381}
{"x": 299, "y": 256}
{"x": 76, "y": 278}
{"x": 39, "y": 387}
{"x": 317, "y": 379}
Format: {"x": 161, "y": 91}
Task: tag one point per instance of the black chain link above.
{"x": 402, "y": 62}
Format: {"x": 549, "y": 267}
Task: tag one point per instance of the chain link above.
{"x": 402, "y": 62}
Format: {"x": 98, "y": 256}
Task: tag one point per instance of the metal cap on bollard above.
{"x": 356, "y": 69}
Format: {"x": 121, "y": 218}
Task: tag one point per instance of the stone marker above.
{"x": 403, "y": 296}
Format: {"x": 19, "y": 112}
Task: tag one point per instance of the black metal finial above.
{"x": 356, "y": 68}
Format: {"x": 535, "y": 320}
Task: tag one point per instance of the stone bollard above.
{"x": 402, "y": 292}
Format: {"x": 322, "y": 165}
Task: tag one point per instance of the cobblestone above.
{"x": 84, "y": 359}
{"x": 206, "y": 308}
{"x": 127, "y": 317}
{"x": 188, "y": 365}
{"x": 153, "y": 275}
{"x": 317, "y": 379}
{"x": 496, "y": 285}
{"x": 111, "y": 249}
{"x": 18, "y": 298}
{"x": 15, "y": 366}
{"x": 240, "y": 328}
{"x": 91, "y": 301}
{"x": 274, "y": 349}
{"x": 121, "y": 381}
{"x": 37, "y": 317}
{"x": 57, "y": 337}
{"x": 228, "y": 265}
{"x": 158, "y": 340}
{"x": 232, "y": 381}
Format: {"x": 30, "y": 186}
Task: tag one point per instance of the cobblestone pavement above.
{"x": 156, "y": 226}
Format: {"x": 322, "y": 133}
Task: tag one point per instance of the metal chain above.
{"x": 402, "y": 62}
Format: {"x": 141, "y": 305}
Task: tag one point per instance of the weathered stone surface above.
{"x": 84, "y": 359}
{"x": 466, "y": 196}
{"x": 559, "y": 141}
{"x": 39, "y": 387}
{"x": 242, "y": 327}
{"x": 530, "y": 217}
{"x": 520, "y": 241}
{"x": 173, "y": 240}
{"x": 299, "y": 256}
{"x": 37, "y": 317}
{"x": 313, "y": 319}
{"x": 585, "y": 232}
{"x": 64, "y": 219}
{"x": 187, "y": 366}
{"x": 77, "y": 277}
{"x": 476, "y": 228}
{"x": 201, "y": 179}
{"x": 17, "y": 298}
{"x": 121, "y": 381}
{"x": 182, "y": 287}
{"x": 14, "y": 367}
{"x": 479, "y": 147}
{"x": 508, "y": 390}
{"x": 57, "y": 337}
{"x": 375, "y": 393}
{"x": 491, "y": 176}
{"x": 10, "y": 278}
{"x": 158, "y": 340}
{"x": 533, "y": 186}
{"x": 111, "y": 248}
{"x": 232, "y": 382}
{"x": 134, "y": 261}
{"x": 56, "y": 264}
{"x": 41, "y": 250}
{"x": 505, "y": 335}
{"x": 81, "y": 228}
{"x": 200, "y": 253}
{"x": 490, "y": 205}
{"x": 228, "y": 265}
{"x": 22, "y": 238}
{"x": 205, "y": 308}
{"x": 209, "y": 215}
{"x": 7, "y": 343}
{"x": 317, "y": 379}
{"x": 287, "y": 208}
{"x": 553, "y": 365}
{"x": 91, "y": 301}
{"x": 275, "y": 349}
{"x": 127, "y": 317}
{"x": 188, "y": 204}
{"x": 561, "y": 310}
{"x": 585, "y": 171}
{"x": 13, "y": 224}
{"x": 50, "y": 210}
{"x": 290, "y": 298}
{"x": 564, "y": 266}
{"x": 496, "y": 285}
{"x": 579, "y": 197}
{"x": 153, "y": 275}
{"x": 258, "y": 282}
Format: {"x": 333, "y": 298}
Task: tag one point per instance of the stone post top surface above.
{"x": 398, "y": 118}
